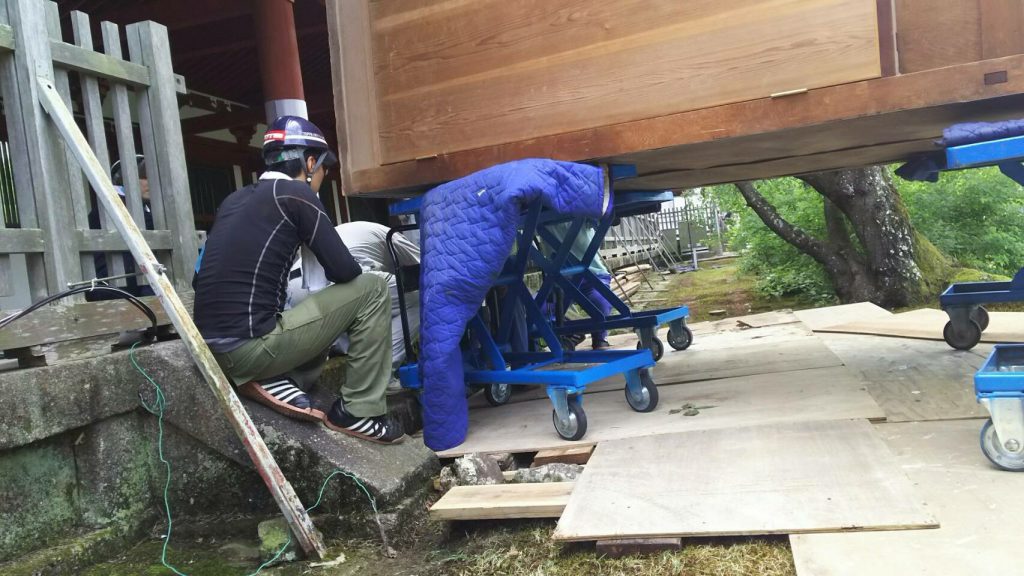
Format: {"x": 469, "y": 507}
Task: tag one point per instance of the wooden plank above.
{"x": 818, "y": 318}
{"x": 702, "y": 51}
{"x": 881, "y": 114}
{"x": 927, "y": 324}
{"x": 503, "y": 501}
{"x": 567, "y": 455}
{"x": 355, "y": 99}
{"x": 978, "y": 505}
{"x": 912, "y": 380}
{"x": 763, "y": 480}
{"x": 18, "y": 155}
{"x": 37, "y": 144}
{"x": 105, "y": 240}
{"x": 160, "y": 125}
{"x": 95, "y": 64}
{"x": 124, "y": 130}
{"x": 822, "y": 394}
{"x": 767, "y": 319}
{"x": 930, "y": 38}
{"x": 6, "y": 38}
{"x": 80, "y": 320}
{"x": 1002, "y": 27}
{"x": 887, "y": 37}
{"x": 22, "y": 241}
{"x": 76, "y": 182}
{"x": 634, "y": 268}
{"x": 92, "y": 103}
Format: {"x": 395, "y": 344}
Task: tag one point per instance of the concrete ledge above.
{"x": 43, "y": 402}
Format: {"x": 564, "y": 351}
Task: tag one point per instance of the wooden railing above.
{"x": 138, "y": 97}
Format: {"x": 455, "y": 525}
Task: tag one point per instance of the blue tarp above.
{"x": 468, "y": 229}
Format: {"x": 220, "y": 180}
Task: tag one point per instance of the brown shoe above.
{"x": 283, "y": 397}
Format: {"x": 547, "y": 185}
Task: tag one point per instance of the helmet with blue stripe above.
{"x": 289, "y": 137}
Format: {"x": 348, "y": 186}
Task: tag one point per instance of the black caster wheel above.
{"x": 962, "y": 337}
{"x": 980, "y": 315}
{"x": 997, "y": 453}
{"x": 647, "y": 399}
{"x": 682, "y": 340}
{"x": 497, "y": 394}
{"x": 577, "y": 425}
{"x": 657, "y": 348}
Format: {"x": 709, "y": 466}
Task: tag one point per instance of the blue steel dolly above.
{"x": 496, "y": 359}
{"x": 999, "y": 386}
{"x": 964, "y": 302}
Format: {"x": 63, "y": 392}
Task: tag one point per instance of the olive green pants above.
{"x": 299, "y": 343}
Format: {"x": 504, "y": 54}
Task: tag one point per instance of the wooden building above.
{"x": 691, "y": 93}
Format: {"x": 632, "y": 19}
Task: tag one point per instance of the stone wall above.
{"x": 80, "y": 477}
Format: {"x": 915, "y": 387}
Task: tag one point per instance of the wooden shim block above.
{"x": 50, "y": 354}
{"x": 503, "y": 501}
{"x": 633, "y": 268}
{"x": 632, "y": 546}
{"x": 743, "y": 481}
{"x": 568, "y": 455}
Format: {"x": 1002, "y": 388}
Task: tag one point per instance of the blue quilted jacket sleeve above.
{"x": 468, "y": 228}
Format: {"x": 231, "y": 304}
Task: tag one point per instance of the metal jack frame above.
{"x": 964, "y": 302}
{"x": 499, "y": 357}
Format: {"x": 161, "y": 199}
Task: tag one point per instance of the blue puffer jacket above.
{"x": 468, "y": 228}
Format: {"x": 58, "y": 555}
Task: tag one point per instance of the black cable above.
{"x": 103, "y": 287}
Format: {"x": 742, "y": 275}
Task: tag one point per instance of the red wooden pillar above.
{"x": 278, "y": 49}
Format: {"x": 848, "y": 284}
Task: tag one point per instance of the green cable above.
{"x": 157, "y": 410}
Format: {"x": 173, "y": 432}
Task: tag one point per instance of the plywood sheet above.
{"x": 818, "y": 318}
{"x": 928, "y": 323}
{"x": 502, "y": 501}
{"x": 463, "y": 75}
{"x": 780, "y": 479}
{"x": 912, "y": 379}
{"x": 823, "y": 394}
{"x": 725, "y": 333}
{"x": 978, "y": 506}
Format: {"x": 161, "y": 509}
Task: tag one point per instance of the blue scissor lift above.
{"x": 496, "y": 359}
{"x": 999, "y": 384}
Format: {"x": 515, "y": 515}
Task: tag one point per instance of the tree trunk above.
{"x": 872, "y": 252}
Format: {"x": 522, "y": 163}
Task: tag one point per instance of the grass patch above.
{"x": 527, "y": 550}
{"x": 719, "y": 285}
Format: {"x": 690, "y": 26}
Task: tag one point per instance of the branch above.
{"x": 794, "y": 235}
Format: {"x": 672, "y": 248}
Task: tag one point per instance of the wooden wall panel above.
{"x": 933, "y": 34}
{"x": 462, "y": 74}
{"x": 1002, "y": 26}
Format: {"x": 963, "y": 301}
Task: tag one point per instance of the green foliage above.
{"x": 974, "y": 216}
{"x": 781, "y": 269}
